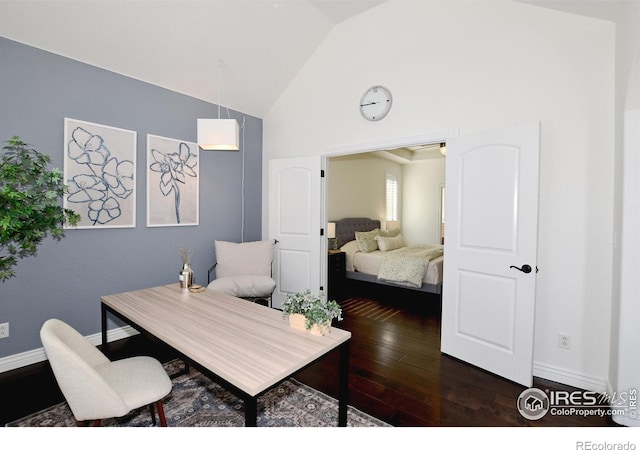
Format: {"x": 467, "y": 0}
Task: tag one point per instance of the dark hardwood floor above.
{"x": 397, "y": 372}
{"x": 399, "y": 375}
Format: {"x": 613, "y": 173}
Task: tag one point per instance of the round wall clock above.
{"x": 375, "y": 103}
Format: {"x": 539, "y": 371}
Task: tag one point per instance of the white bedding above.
{"x": 369, "y": 263}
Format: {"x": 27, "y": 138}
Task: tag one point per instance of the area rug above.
{"x": 196, "y": 401}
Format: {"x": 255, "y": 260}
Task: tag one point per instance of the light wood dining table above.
{"x": 248, "y": 348}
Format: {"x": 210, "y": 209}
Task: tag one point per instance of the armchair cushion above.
{"x": 245, "y": 285}
{"x": 246, "y": 258}
{"x": 138, "y": 380}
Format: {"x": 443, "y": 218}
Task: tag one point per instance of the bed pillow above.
{"x": 386, "y": 244}
{"x": 350, "y": 247}
{"x": 390, "y": 233}
{"x": 367, "y": 240}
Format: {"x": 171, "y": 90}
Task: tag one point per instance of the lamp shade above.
{"x": 331, "y": 230}
{"x": 218, "y": 134}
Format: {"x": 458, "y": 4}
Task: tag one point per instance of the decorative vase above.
{"x": 321, "y": 329}
{"x": 298, "y": 321}
{"x": 186, "y": 277}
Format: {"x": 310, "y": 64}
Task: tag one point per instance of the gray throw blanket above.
{"x": 407, "y": 266}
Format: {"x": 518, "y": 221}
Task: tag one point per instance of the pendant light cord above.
{"x": 242, "y": 140}
{"x": 219, "y": 85}
{"x": 242, "y": 149}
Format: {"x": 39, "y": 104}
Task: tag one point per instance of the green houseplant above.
{"x": 309, "y": 311}
{"x": 29, "y": 204}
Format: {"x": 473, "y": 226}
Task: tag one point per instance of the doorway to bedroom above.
{"x": 492, "y": 209}
{"x": 402, "y": 187}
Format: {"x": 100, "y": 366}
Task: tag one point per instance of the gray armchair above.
{"x": 244, "y": 270}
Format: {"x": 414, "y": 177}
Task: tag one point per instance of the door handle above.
{"x": 526, "y": 268}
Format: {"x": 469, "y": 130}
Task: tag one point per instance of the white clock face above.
{"x": 375, "y": 103}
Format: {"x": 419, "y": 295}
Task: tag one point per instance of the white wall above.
{"x": 421, "y": 208}
{"x": 624, "y": 370}
{"x": 356, "y": 187}
{"x": 477, "y": 66}
{"x": 625, "y": 364}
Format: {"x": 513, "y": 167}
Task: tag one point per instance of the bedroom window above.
{"x": 392, "y": 197}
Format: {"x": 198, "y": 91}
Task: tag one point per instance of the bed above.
{"x": 372, "y": 264}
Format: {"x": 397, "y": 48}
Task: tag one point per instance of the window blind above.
{"x": 392, "y": 197}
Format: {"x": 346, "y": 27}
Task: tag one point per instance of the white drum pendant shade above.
{"x": 218, "y": 134}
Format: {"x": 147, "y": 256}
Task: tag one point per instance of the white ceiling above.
{"x": 255, "y": 47}
{"x": 251, "y": 48}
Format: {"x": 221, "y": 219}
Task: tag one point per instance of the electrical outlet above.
{"x": 4, "y": 330}
{"x": 564, "y": 341}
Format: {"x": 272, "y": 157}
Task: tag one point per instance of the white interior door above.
{"x": 295, "y": 221}
{"x": 491, "y": 249}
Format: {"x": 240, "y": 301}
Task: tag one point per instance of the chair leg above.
{"x": 153, "y": 414}
{"x": 163, "y": 420}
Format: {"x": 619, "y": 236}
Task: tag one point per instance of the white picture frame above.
{"x": 100, "y": 174}
{"x": 173, "y": 182}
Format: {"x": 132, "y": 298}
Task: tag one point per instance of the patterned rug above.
{"x": 367, "y": 308}
{"x": 196, "y": 401}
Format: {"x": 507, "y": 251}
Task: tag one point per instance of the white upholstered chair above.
{"x": 95, "y": 387}
{"x": 244, "y": 270}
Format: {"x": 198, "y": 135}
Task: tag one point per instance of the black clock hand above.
{"x": 369, "y": 104}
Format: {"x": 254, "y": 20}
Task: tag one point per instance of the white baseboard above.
{"x": 37, "y": 355}
{"x": 570, "y": 378}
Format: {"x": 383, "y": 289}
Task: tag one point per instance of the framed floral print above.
{"x": 173, "y": 182}
{"x": 100, "y": 174}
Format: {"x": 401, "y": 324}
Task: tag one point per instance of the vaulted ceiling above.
{"x": 251, "y": 48}
{"x": 241, "y": 53}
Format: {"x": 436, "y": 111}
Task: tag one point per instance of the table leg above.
{"x": 103, "y": 319}
{"x": 343, "y": 393}
{"x": 251, "y": 411}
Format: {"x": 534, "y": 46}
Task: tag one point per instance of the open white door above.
{"x": 490, "y": 250}
{"x": 294, "y": 220}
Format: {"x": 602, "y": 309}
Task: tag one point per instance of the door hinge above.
{"x": 321, "y": 231}
{"x": 321, "y": 173}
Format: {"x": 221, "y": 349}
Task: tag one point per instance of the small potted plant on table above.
{"x": 307, "y": 311}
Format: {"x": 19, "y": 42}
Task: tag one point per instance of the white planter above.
{"x": 322, "y": 329}
{"x": 297, "y": 321}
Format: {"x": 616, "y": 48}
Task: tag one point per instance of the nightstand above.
{"x": 336, "y": 269}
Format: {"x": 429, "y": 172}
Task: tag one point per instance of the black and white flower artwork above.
{"x": 100, "y": 174}
{"x": 172, "y": 182}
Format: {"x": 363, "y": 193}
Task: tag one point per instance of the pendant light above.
{"x": 218, "y": 134}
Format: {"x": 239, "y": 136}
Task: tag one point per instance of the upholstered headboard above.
{"x": 346, "y": 228}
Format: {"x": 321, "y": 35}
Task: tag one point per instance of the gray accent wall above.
{"x": 67, "y": 278}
